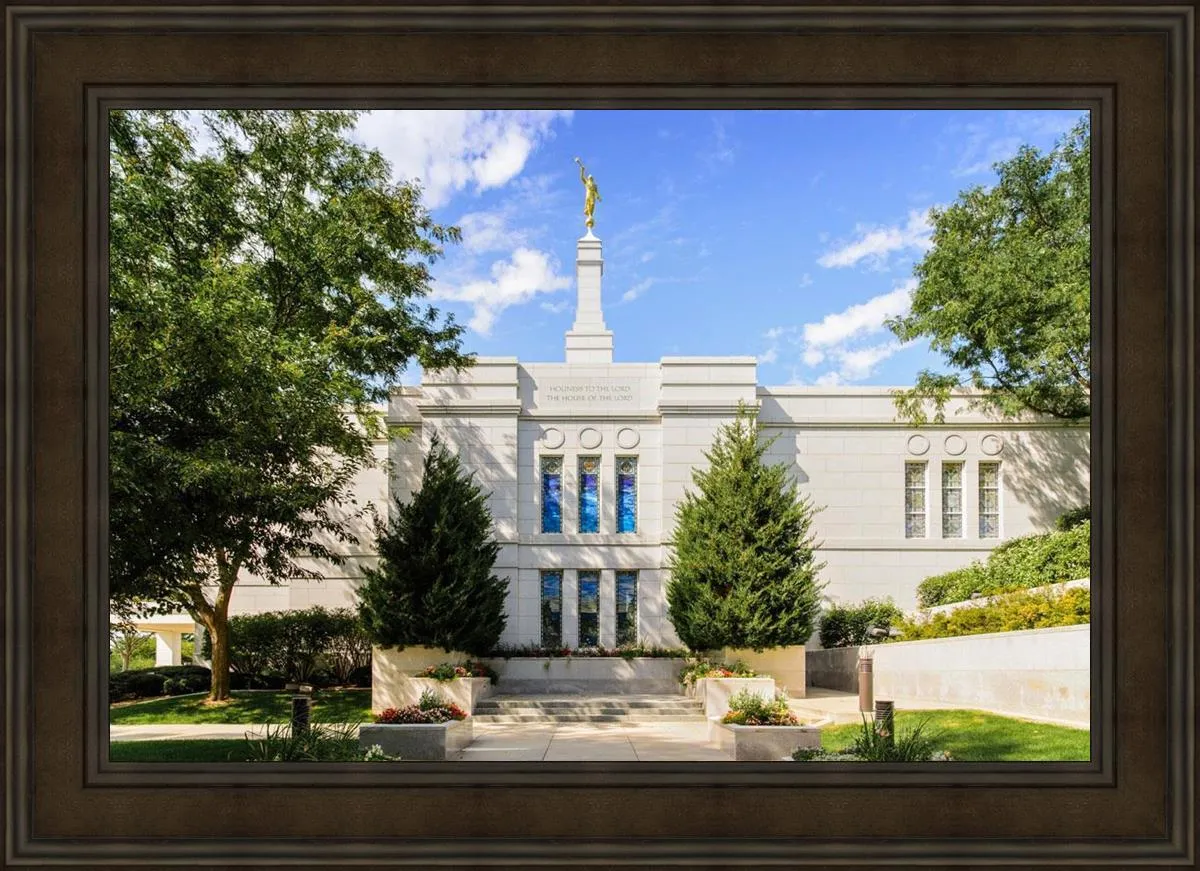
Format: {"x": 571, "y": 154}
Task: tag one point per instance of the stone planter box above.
{"x": 715, "y": 692}
{"x": 418, "y": 741}
{"x": 392, "y": 669}
{"x": 785, "y": 664}
{"x": 762, "y": 743}
{"x": 599, "y": 675}
{"x": 405, "y": 689}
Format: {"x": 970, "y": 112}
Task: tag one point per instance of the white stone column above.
{"x": 608, "y": 608}
{"x": 588, "y": 340}
{"x": 198, "y": 635}
{"x": 167, "y": 647}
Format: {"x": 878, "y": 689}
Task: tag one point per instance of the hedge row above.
{"x": 1021, "y": 610}
{"x": 850, "y": 625}
{"x": 316, "y": 646}
{"x": 1021, "y": 563}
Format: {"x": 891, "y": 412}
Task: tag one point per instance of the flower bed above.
{"x": 627, "y": 652}
{"x": 761, "y": 730}
{"x": 432, "y": 729}
{"x": 400, "y": 678}
{"x": 698, "y": 669}
{"x": 447, "y": 671}
{"x": 715, "y": 693}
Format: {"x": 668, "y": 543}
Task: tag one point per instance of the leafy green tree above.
{"x": 434, "y": 585}
{"x": 1004, "y": 293}
{"x": 126, "y": 643}
{"x": 743, "y": 568}
{"x": 262, "y": 294}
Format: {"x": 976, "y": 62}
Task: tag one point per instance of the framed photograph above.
{"x": 600, "y": 434}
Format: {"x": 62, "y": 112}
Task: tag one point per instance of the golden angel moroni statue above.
{"x": 591, "y": 196}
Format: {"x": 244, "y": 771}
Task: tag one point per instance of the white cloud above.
{"x": 638, "y": 289}
{"x": 858, "y": 320}
{"x": 837, "y": 342}
{"x": 515, "y": 281}
{"x": 855, "y": 365}
{"x": 813, "y": 356}
{"x": 451, "y": 149}
{"x": 721, "y": 148}
{"x": 768, "y": 356}
{"x": 997, "y": 137}
{"x": 648, "y": 256}
{"x": 557, "y": 307}
{"x": 489, "y": 231}
{"x": 875, "y": 244}
{"x": 806, "y": 280}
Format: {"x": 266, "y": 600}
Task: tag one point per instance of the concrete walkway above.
{"x": 560, "y": 742}
{"x": 593, "y": 742}
{"x": 184, "y": 731}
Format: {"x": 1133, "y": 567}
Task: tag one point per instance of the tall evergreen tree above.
{"x": 434, "y": 584}
{"x": 743, "y": 568}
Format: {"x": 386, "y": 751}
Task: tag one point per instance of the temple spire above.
{"x": 588, "y": 340}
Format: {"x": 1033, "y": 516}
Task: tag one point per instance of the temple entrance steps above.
{"x": 581, "y": 708}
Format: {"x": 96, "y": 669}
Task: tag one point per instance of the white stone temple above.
{"x": 585, "y": 460}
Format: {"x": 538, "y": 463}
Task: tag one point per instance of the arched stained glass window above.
{"x": 551, "y": 494}
{"x": 627, "y": 494}
{"x": 589, "y": 494}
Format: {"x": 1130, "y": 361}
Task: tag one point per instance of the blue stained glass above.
{"x": 589, "y": 495}
{"x": 551, "y": 497}
{"x": 627, "y": 609}
{"x": 551, "y": 609}
{"x": 626, "y": 496}
{"x": 589, "y": 609}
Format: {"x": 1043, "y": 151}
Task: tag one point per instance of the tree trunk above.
{"x": 218, "y": 630}
{"x": 215, "y": 618}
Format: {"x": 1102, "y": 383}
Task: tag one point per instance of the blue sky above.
{"x": 786, "y": 235}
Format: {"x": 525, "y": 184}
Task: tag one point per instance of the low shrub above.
{"x": 748, "y": 709}
{"x": 1074, "y": 517}
{"x": 1012, "y": 612}
{"x": 239, "y": 681}
{"x": 802, "y": 754}
{"x": 360, "y": 677}
{"x": 147, "y": 683}
{"x": 849, "y": 625}
{"x": 953, "y": 586}
{"x": 431, "y": 708}
{"x": 316, "y": 646}
{"x": 704, "y": 668}
{"x": 1020, "y": 563}
{"x": 914, "y": 744}
{"x": 320, "y": 742}
{"x": 471, "y": 668}
{"x": 179, "y": 686}
{"x": 1036, "y": 560}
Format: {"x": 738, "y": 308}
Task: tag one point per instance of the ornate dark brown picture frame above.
{"x": 1132, "y": 67}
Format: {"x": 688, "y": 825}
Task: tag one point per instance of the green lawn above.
{"x": 973, "y": 736}
{"x": 206, "y": 750}
{"x": 329, "y": 706}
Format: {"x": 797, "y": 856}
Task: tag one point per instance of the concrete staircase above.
{"x": 550, "y": 710}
